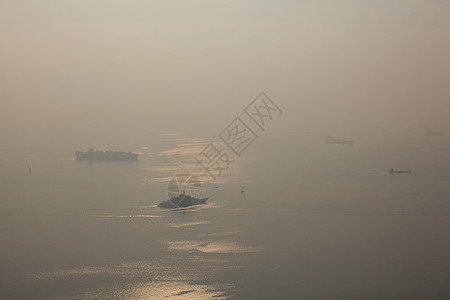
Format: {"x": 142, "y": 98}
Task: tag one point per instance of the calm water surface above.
{"x": 316, "y": 220}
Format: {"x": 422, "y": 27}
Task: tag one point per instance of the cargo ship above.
{"x": 92, "y": 155}
{"x": 392, "y": 171}
{"x": 430, "y": 132}
{"x": 331, "y": 140}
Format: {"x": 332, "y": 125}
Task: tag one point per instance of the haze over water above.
{"x": 163, "y": 79}
{"x": 320, "y": 221}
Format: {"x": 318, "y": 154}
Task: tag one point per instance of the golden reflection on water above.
{"x": 123, "y": 216}
{"x": 167, "y": 281}
{"x": 182, "y": 225}
{"x": 173, "y": 290}
{"x": 210, "y": 246}
{"x": 197, "y": 260}
{"x": 179, "y": 158}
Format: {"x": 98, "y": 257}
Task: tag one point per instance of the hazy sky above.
{"x": 70, "y": 67}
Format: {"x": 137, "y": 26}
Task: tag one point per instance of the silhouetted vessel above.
{"x": 331, "y": 140}
{"x": 392, "y": 171}
{"x": 181, "y": 201}
{"x": 430, "y": 132}
{"x": 92, "y": 155}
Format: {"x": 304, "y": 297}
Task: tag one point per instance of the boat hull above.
{"x": 180, "y": 202}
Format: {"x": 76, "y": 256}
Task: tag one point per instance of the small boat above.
{"x": 182, "y": 201}
{"x": 331, "y": 140}
{"x": 392, "y": 171}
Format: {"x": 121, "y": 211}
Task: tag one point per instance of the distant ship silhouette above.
{"x": 430, "y": 132}
{"x": 92, "y": 155}
{"x": 392, "y": 171}
{"x": 331, "y": 140}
